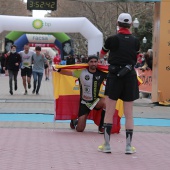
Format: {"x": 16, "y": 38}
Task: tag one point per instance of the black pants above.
{"x": 12, "y": 74}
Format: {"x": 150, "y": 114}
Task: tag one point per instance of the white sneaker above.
{"x": 104, "y": 148}
{"x": 130, "y": 150}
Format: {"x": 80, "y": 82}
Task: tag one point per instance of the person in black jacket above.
{"x": 2, "y": 59}
{"x": 122, "y": 79}
{"x": 70, "y": 60}
{"x": 12, "y": 64}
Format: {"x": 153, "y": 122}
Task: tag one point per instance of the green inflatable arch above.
{"x": 14, "y": 35}
{"x": 61, "y": 38}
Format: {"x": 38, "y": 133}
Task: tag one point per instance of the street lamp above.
{"x": 144, "y": 42}
{"x": 136, "y": 25}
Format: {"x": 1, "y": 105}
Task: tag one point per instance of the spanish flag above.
{"x": 67, "y": 97}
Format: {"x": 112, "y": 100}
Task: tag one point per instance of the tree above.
{"x": 12, "y": 7}
{"x": 104, "y": 16}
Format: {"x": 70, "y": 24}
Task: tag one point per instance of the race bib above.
{"x": 26, "y": 64}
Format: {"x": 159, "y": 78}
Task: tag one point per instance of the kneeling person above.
{"x": 90, "y": 80}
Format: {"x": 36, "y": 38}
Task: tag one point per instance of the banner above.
{"x": 67, "y": 98}
{"x": 146, "y": 77}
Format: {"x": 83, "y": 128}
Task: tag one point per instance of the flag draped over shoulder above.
{"x": 67, "y": 97}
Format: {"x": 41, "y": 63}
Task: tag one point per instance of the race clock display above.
{"x": 42, "y": 5}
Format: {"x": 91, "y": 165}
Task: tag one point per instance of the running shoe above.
{"x": 130, "y": 150}
{"x": 25, "y": 92}
{"x": 37, "y": 93}
{"x": 11, "y": 92}
{"x": 15, "y": 88}
{"x": 29, "y": 85}
{"x": 73, "y": 124}
{"x": 33, "y": 91}
{"x": 101, "y": 130}
{"x": 104, "y": 148}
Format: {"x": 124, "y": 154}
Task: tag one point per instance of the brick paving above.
{"x": 46, "y": 146}
{"x": 46, "y": 149}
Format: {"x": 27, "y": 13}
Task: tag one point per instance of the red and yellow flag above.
{"x": 67, "y": 98}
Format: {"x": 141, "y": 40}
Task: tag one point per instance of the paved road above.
{"x": 46, "y": 146}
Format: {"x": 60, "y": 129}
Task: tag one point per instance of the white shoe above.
{"x": 130, "y": 150}
{"x": 104, "y": 148}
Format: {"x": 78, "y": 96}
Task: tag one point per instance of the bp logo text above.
{"x": 38, "y": 24}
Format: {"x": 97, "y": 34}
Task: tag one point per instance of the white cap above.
{"x": 125, "y": 18}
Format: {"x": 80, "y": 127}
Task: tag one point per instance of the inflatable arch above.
{"x": 20, "y": 38}
{"x": 39, "y": 39}
{"x": 50, "y": 25}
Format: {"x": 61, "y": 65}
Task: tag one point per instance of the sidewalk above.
{"x": 46, "y": 146}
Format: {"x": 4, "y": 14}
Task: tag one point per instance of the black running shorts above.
{"x": 83, "y": 110}
{"x": 26, "y": 72}
{"x": 124, "y": 88}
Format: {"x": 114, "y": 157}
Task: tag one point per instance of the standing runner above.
{"x": 122, "y": 79}
{"x": 38, "y": 68}
{"x": 26, "y": 67}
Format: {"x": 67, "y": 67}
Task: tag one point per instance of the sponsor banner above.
{"x": 41, "y": 45}
{"x": 46, "y": 45}
{"x": 146, "y": 77}
{"x": 40, "y": 38}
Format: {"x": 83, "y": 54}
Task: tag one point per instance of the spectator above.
{"x": 84, "y": 59}
{"x": 47, "y": 66}
{"x": 105, "y": 62}
{"x": 148, "y": 60}
{"x": 70, "y": 60}
{"x": 2, "y": 61}
{"x": 57, "y": 59}
{"x": 78, "y": 61}
{"x": 140, "y": 60}
{"x": 5, "y": 68}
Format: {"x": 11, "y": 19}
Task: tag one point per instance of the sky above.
{"x": 38, "y": 13}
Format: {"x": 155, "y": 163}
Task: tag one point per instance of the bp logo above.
{"x": 37, "y": 24}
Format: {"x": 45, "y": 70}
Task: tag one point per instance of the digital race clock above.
{"x": 42, "y": 5}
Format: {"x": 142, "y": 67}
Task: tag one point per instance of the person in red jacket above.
{"x": 57, "y": 59}
{"x": 12, "y": 64}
